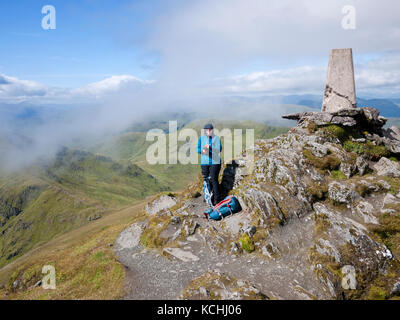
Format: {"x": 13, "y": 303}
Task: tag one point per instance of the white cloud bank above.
{"x": 14, "y": 90}
{"x": 379, "y": 77}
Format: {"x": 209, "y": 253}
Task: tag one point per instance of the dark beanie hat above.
{"x": 208, "y": 126}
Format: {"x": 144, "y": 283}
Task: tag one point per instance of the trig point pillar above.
{"x": 340, "y": 90}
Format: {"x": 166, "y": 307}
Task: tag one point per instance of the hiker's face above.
{"x": 209, "y": 132}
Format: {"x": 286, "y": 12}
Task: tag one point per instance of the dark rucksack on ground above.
{"x": 226, "y": 207}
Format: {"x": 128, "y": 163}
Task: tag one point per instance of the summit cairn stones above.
{"x": 340, "y": 90}
{"x": 339, "y": 107}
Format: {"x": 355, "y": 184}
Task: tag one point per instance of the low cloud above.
{"x": 14, "y": 90}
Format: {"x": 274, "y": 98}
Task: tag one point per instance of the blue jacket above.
{"x": 216, "y": 147}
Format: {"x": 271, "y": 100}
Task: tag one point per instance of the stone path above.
{"x": 152, "y": 276}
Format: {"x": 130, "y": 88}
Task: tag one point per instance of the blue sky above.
{"x": 225, "y": 46}
{"x": 85, "y": 47}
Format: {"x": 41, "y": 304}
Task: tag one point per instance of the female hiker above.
{"x": 210, "y": 147}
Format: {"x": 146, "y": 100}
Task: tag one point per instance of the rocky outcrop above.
{"x": 13, "y": 202}
{"x": 363, "y": 118}
{"x": 386, "y": 167}
{"x": 163, "y": 203}
{"x": 364, "y": 121}
{"x": 320, "y": 220}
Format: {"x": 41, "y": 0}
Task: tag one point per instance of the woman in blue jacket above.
{"x": 210, "y": 147}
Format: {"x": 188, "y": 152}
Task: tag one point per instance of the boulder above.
{"x": 396, "y": 289}
{"x": 182, "y": 255}
{"x": 162, "y": 203}
{"x": 362, "y": 118}
{"x": 362, "y": 165}
{"x": 386, "y": 167}
{"x": 129, "y": 238}
{"x": 394, "y": 133}
{"x": 341, "y": 193}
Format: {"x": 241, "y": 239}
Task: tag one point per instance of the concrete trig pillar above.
{"x": 340, "y": 90}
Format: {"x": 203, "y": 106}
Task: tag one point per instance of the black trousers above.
{"x": 212, "y": 171}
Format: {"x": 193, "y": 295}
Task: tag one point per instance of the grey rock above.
{"x": 344, "y": 121}
{"x": 394, "y": 133}
{"x": 365, "y": 210}
{"x": 162, "y": 203}
{"x": 362, "y": 165}
{"x": 234, "y": 247}
{"x": 386, "y": 167}
{"x": 129, "y": 238}
{"x": 176, "y": 234}
{"x": 349, "y": 281}
{"x": 175, "y": 220}
{"x": 364, "y": 118}
{"x": 390, "y": 199}
{"x": 341, "y": 193}
{"x": 185, "y": 256}
{"x": 348, "y": 169}
{"x": 319, "y": 150}
{"x": 396, "y": 289}
{"x": 204, "y": 292}
{"x": 251, "y": 230}
{"x": 190, "y": 227}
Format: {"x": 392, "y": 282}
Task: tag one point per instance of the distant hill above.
{"x": 47, "y": 200}
{"x": 386, "y": 107}
{"x": 130, "y": 147}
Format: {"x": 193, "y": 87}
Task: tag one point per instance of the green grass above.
{"x": 389, "y": 231}
{"x": 338, "y": 175}
{"x": 247, "y": 243}
{"x": 372, "y": 151}
{"x": 46, "y": 202}
{"x": 85, "y": 265}
{"x": 339, "y": 132}
{"x": 329, "y": 162}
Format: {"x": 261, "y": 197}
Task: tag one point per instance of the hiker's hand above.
{"x": 206, "y": 149}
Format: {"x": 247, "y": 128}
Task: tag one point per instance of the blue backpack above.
{"x": 207, "y": 191}
{"x": 226, "y": 207}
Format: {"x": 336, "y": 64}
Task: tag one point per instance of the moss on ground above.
{"x": 336, "y": 131}
{"x": 150, "y": 237}
{"x": 247, "y": 243}
{"x": 338, "y": 175}
{"x": 322, "y": 225}
{"x": 394, "y": 184}
{"x": 329, "y": 162}
{"x": 318, "y": 191}
{"x": 374, "y": 152}
{"x": 388, "y": 231}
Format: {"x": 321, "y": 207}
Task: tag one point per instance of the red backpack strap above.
{"x": 222, "y": 203}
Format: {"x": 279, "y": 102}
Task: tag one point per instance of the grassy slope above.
{"x": 84, "y": 261}
{"x": 77, "y": 188}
